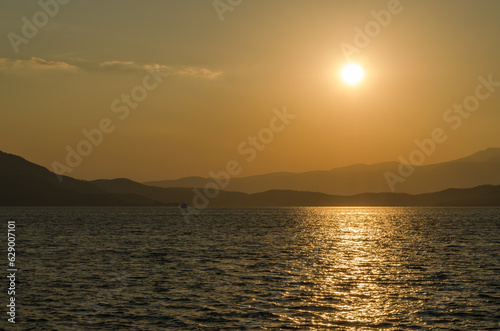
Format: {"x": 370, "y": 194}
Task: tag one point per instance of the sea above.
{"x": 253, "y": 269}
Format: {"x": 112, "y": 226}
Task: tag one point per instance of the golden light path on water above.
{"x": 355, "y": 274}
{"x": 261, "y": 268}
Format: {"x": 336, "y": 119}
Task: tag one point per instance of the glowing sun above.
{"x": 352, "y": 74}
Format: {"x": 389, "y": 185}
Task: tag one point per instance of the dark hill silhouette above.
{"x": 127, "y": 186}
{"x": 482, "y": 168}
{"x": 23, "y": 183}
{"x": 487, "y": 195}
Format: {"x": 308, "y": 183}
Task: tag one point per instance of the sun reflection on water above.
{"x": 266, "y": 269}
{"x": 357, "y": 277}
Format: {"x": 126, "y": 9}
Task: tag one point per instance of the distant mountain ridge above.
{"x": 487, "y": 195}
{"x": 23, "y": 183}
{"x": 481, "y": 168}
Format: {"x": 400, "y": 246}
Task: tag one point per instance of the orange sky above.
{"x": 217, "y": 82}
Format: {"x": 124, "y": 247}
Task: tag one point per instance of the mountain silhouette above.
{"x": 482, "y": 168}
{"x": 23, "y": 183}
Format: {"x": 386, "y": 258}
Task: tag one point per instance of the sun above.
{"x": 352, "y": 73}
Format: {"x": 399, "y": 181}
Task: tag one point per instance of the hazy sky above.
{"x": 225, "y": 77}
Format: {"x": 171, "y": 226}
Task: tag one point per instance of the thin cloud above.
{"x": 35, "y": 63}
{"x": 157, "y": 67}
{"x": 198, "y": 72}
{"x": 112, "y": 66}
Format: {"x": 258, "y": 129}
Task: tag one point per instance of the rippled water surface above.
{"x": 268, "y": 269}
